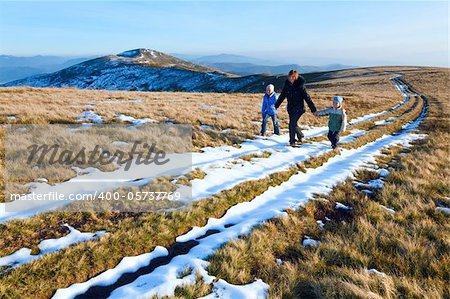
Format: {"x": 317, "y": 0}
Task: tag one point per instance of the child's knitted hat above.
{"x": 339, "y": 99}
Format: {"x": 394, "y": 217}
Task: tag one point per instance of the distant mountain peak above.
{"x": 141, "y": 52}
{"x": 150, "y": 57}
{"x": 147, "y": 57}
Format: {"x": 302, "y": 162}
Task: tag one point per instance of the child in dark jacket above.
{"x": 268, "y": 110}
{"x": 337, "y": 122}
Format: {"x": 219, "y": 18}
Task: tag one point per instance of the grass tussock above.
{"x": 196, "y": 290}
{"x": 196, "y": 173}
{"x": 249, "y": 157}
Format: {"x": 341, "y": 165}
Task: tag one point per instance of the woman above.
{"x": 295, "y": 92}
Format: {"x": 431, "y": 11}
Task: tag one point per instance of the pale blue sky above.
{"x": 356, "y": 32}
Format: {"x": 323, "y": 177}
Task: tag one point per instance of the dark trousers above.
{"x": 276, "y": 129}
{"x": 294, "y": 129}
{"x": 333, "y": 136}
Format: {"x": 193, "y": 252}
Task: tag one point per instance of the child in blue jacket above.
{"x": 268, "y": 110}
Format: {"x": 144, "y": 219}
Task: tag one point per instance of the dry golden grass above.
{"x": 17, "y": 143}
{"x": 239, "y": 112}
{"x": 132, "y": 235}
{"x": 411, "y": 246}
{"x": 136, "y": 233}
{"x": 128, "y": 237}
{"x": 249, "y": 157}
{"x": 197, "y": 173}
{"x": 374, "y": 133}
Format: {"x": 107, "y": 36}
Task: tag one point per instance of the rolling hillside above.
{"x": 150, "y": 70}
{"x": 264, "y": 219}
{"x": 245, "y": 69}
{"x": 139, "y": 69}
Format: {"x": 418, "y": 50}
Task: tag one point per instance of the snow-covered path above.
{"x": 243, "y": 217}
{"x": 224, "y": 170}
{"x": 240, "y": 219}
{"x": 226, "y": 174}
{"x": 223, "y": 154}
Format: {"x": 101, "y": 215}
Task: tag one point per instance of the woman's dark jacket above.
{"x": 296, "y": 96}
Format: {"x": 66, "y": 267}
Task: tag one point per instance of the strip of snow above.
{"x": 126, "y": 265}
{"x": 383, "y": 172}
{"x": 91, "y": 116}
{"x": 376, "y": 272}
{"x": 224, "y": 290}
{"x": 341, "y": 206}
{"x": 372, "y": 184}
{"x": 207, "y": 107}
{"x": 392, "y": 211}
{"x": 272, "y": 203}
{"x": 134, "y": 121}
{"x": 23, "y": 256}
{"x": 205, "y": 127}
{"x": 320, "y": 224}
{"x": 444, "y": 210}
{"x": 308, "y": 242}
{"x": 367, "y": 192}
{"x": 368, "y": 117}
{"x": 385, "y": 121}
{"x": 120, "y": 101}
